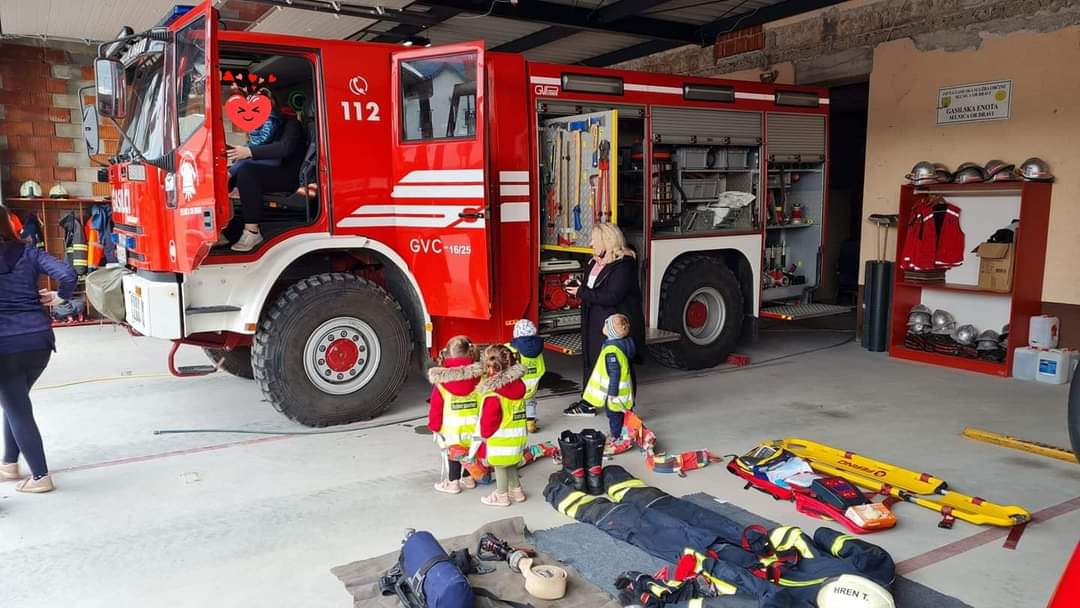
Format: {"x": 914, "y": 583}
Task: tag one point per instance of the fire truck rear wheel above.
{"x": 333, "y": 349}
{"x": 701, "y": 300}
{"x": 236, "y": 361}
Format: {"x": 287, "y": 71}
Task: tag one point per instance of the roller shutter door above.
{"x": 795, "y": 136}
{"x": 690, "y": 126}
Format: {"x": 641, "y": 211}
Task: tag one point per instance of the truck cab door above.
{"x": 195, "y": 191}
{"x": 439, "y": 183}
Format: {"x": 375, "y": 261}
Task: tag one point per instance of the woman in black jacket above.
{"x": 611, "y": 287}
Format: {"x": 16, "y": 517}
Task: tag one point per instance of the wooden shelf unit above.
{"x": 1029, "y": 259}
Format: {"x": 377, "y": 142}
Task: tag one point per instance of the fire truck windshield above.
{"x": 145, "y": 118}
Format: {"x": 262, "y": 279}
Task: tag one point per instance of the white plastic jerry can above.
{"x": 1043, "y": 331}
{"x": 1025, "y": 362}
{"x": 1056, "y": 365}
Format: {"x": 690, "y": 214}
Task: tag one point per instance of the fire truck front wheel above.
{"x": 333, "y": 349}
{"x": 236, "y": 361}
{"x": 701, "y": 300}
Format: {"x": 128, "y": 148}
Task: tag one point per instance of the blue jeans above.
{"x": 615, "y": 423}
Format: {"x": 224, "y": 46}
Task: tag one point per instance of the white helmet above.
{"x": 524, "y": 327}
{"x": 58, "y": 191}
{"x": 850, "y": 591}
{"x": 30, "y": 189}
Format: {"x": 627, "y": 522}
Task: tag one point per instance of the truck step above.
{"x": 798, "y": 312}
{"x": 570, "y": 344}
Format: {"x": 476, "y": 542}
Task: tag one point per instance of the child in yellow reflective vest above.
{"x": 530, "y": 349}
{"x": 502, "y": 422}
{"x": 611, "y": 385}
{"x": 454, "y": 409}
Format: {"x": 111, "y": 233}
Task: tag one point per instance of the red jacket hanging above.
{"x": 934, "y": 240}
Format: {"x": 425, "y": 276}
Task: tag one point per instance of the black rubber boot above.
{"x": 572, "y": 449}
{"x": 594, "y": 460}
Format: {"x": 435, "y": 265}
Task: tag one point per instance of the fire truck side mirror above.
{"x": 111, "y": 88}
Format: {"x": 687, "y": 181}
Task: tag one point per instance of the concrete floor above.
{"x": 245, "y": 520}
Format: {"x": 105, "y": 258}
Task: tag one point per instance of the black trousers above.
{"x": 254, "y": 181}
{"x": 18, "y": 373}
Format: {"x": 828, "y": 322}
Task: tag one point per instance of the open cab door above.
{"x": 439, "y": 196}
{"x": 196, "y": 200}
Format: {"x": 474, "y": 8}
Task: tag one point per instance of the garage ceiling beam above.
{"x": 631, "y": 52}
{"x": 404, "y": 31}
{"x": 535, "y": 39}
{"x": 707, "y": 33}
{"x": 625, "y": 8}
{"x": 355, "y": 10}
{"x": 580, "y": 18}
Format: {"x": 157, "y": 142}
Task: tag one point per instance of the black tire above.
{"x": 236, "y": 361}
{"x": 1074, "y": 415}
{"x": 683, "y": 279}
{"x": 279, "y": 357}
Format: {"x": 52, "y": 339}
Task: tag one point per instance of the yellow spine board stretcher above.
{"x": 921, "y": 489}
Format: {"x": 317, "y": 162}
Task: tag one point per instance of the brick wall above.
{"x": 40, "y": 121}
{"x": 739, "y": 41}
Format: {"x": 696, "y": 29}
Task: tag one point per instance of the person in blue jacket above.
{"x": 26, "y": 344}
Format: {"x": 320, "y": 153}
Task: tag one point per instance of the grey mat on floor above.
{"x": 600, "y": 558}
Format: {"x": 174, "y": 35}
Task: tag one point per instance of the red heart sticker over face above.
{"x": 248, "y": 113}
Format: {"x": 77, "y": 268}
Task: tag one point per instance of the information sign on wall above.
{"x": 974, "y": 102}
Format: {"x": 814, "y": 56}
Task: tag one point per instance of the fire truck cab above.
{"x": 452, "y": 191}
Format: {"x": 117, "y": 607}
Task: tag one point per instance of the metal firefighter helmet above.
{"x": 919, "y": 328}
{"x": 943, "y": 173}
{"x": 1036, "y": 170}
{"x": 969, "y": 173}
{"x": 922, "y": 173}
{"x": 920, "y": 308}
{"x": 852, "y": 591}
{"x": 996, "y": 167}
{"x": 943, "y": 322}
{"x": 30, "y": 189}
{"x": 58, "y": 191}
{"x": 987, "y": 340}
{"x": 919, "y": 316}
{"x": 965, "y": 334}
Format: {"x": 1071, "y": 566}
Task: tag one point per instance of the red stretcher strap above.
{"x": 1013, "y": 538}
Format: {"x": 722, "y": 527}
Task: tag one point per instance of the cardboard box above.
{"x": 995, "y": 266}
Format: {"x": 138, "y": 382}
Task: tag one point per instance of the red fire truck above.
{"x": 455, "y": 191}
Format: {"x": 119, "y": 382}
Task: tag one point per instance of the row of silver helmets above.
{"x": 941, "y": 322}
{"x": 926, "y": 173}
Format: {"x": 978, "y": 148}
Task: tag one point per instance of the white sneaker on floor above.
{"x": 9, "y": 471}
{"x": 248, "y": 241}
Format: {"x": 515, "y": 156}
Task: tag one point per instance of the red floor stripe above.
{"x": 208, "y": 448}
{"x": 982, "y": 538}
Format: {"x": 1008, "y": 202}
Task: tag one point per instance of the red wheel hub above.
{"x": 696, "y": 314}
{"x": 342, "y": 355}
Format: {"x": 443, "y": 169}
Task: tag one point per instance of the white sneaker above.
{"x": 248, "y": 241}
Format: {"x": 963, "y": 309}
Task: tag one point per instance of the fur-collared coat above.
{"x": 459, "y": 376}
{"x": 506, "y": 383}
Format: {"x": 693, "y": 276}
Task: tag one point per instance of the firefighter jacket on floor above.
{"x": 598, "y": 391}
{"x": 32, "y": 232}
{"x": 783, "y": 567}
{"x": 934, "y": 240}
{"x": 74, "y": 242}
{"x": 99, "y": 228}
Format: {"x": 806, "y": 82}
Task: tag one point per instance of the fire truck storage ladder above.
{"x": 570, "y": 344}
{"x": 796, "y": 312}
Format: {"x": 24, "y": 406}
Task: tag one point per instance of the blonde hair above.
{"x": 498, "y": 358}
{"x": 458, "y": 347}
{"x": 613, "y": 241}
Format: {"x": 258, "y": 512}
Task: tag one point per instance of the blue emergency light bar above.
{"x": 175, "y": 13}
